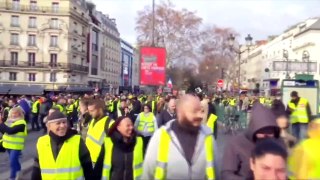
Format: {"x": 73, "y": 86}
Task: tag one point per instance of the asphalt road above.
{"x": 30, "y": 151}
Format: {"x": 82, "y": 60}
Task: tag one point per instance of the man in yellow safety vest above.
{"x": 176, "y": 145}
{"x": 62, "y": 154}
{"x": 300, "y": 113}
{"x": 98, "y": 127}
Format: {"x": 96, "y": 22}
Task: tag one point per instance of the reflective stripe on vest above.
{"x": 95, "y": 137}
{"x": 35, "y": 109}
{"x": 299, "y": 115}
{"x": 67, "y": 165}
{"x": 163, "y": 156}
{"x": 146, "y": 121}
{"x": 210, "y": 123}
{"x": 15, "y": 141}
{"x": 137, "y": 159}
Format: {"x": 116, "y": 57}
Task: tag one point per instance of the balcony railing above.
{"x": 45, "y": 65}
{"x": 37, "y": 9}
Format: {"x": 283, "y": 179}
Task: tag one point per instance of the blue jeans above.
{"x": 14, "y": 162}
{"x": 299, "y": 130}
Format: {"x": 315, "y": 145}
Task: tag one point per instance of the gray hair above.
{"x": 18, "y": 110}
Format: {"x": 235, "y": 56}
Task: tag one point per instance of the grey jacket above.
{"x": 178, "y": 167}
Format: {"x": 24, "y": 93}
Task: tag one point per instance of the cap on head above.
{"x": 55, "y": 116}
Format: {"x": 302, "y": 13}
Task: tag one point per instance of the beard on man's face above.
{"x": 188, "y": 124}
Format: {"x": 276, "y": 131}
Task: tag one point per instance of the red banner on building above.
{"x": 152, "y": 66}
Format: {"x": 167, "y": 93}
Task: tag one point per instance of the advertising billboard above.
{"x": 153, "y": 66}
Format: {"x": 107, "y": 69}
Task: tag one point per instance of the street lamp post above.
{"x": 285, "y": 55}
{"x": 306, "y": 58}
{"x": 248, "y": 40}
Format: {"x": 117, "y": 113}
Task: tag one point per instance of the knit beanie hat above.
{"x": 55, "y": 116}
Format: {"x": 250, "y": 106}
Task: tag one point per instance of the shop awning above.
{"x": 5, "y": 88}
{"x": 26, "y": 90}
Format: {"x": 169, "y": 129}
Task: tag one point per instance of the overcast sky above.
{"x": 260, "y": 18}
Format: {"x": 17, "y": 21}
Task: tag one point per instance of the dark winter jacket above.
{"x": 45, "y": 107}
{"x": 278, "y": 108}
{"x": 165, "y": 117}
{"x": 56, "y": 144}
{"x": 121, "y": 161}
{"x": 136, "y": 109}
{"x": 235, "y": 162}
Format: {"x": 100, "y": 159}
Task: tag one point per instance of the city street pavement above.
{"x": 30, "y": 152}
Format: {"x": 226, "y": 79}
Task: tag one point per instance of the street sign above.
{"x": 220, "y": 83}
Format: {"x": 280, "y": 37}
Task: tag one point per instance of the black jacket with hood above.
{"x": 121, "y": 161}
{"x": 236, "y": 158}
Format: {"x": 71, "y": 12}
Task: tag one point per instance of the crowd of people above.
{"x": 160, "y": 137}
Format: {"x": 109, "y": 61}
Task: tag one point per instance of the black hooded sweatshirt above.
{"x": 121, "y": 161}
{"x": 235, "y": 162}
{"x": 56, "y": 144}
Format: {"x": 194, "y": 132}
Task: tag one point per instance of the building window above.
{"x": 53, "y": 77}
{"x": 94, "y": 65}
{"x": 83, "y": 31}
{"x": 31, "y": 59}
{"x": 14, "y": 39}
{"x": 54, "y": 41}
{"x": 15, "y": 21}
{"x": 32, "y": 22}
{"x": 14, "y": 58}
{"x": 55, "y": 7}
{"x": 32, "y": 76}
{"x": 54, "y": 23}
{"x": 33, "y": 5}
{"x": 95, "y": 41}
{"x": 75, "y": 24}
{"x": 53, "y": 60}
{"x": 32, "y": 40}
{"x": 15, "y": 4}
{"x": 12, "y": 76}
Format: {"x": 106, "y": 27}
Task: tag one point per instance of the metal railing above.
{"x": 44, "y": 65}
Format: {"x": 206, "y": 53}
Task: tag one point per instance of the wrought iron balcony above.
{"x": 44, "y": 65}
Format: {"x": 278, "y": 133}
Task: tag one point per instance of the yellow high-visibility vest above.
{"x": 299, "y": 115}
{"x": 35, "y": 108}
{"x": 67, "y": 165}
{"x": 61, "y": 108}
{"x": 137, "y": 159}
{"x": 310, "y": 167}
{"x": 232, "y": 102}
{"x": 70, "y": 108}
{"x": 262, "y": 100}
{"x": 212, "y": 119}
{"x": 163, "y": 156}
{"x": 95, "y": 137}
{"x": 146, "y": 121}
{"x": 15, "y": 141}
{"x": 153, "y": 106}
